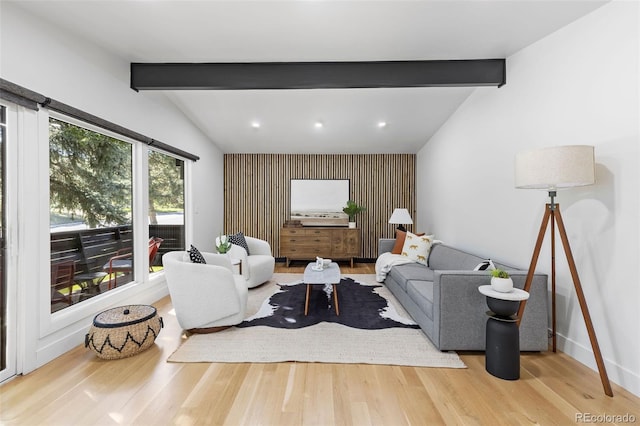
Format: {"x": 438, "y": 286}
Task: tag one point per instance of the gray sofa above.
{"x": 444, "y": 299}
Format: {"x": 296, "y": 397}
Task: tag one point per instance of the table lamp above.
{"x": 552, "y": 169}
{"x": 401, "y": 217}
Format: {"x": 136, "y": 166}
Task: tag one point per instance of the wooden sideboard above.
{"x": 335, "y": 243}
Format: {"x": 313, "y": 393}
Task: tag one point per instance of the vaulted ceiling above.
{"x": 372, "y": 120}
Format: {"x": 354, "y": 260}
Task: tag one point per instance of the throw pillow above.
{"x": 400, "y": 238}
{"x": 484, "y": 266}
{"x": 417, "y": 247}
{"x": 239, "y": 240}
{"x": 195, "y": 255}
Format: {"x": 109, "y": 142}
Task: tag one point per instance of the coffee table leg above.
{"x": 306, "y": 302}
{"x": 335, "y": 299}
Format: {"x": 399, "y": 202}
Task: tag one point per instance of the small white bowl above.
{"x": 502, "y": 285}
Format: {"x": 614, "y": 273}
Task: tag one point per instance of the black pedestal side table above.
{"x": 502, "y": 349}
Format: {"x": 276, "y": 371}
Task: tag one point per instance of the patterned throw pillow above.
{"x": 417, "y": 247}
{"x": 487, "y": 265}
{"x": 195, "y": 255}
{"x": 239, "y": 240}
{"x": 400, "y": 238}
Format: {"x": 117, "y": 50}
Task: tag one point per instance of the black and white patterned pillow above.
{"x": 239, "y": 240}
{"x": 487, "y": 265}
{"x": 195, "y": 255}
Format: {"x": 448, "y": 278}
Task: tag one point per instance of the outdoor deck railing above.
{"x": 90, "y": 249}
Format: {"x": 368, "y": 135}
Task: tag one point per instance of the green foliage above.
{"x": 90, "y": 174}
{"x": 90, "y": 177}
{"x": 223, "y": 244}
{"x": 352, "y": 209}
{"x": 166, "y": 184}
{"x": 499, "y": 273}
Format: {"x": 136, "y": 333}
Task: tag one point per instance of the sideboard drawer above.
{"x": 306, "y": 240}
{"x": 301, "y": 232}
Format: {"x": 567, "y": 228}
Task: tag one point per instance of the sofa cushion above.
{"x": 410, "y": 271}
{"x": 421, "y": 292}
{"x": 445, "y": 258}
{"x": 195, "y": 256}
{"x": 487, "y": 265}
{"x": 400, "y": 238}
{"x": 417, "y": 247}
{"x": 239, "y": 240}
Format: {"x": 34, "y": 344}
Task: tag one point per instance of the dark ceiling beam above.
{"x": 317, "y": 75}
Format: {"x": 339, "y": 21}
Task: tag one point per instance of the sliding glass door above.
{"x": 7, "y": 301}
{"x": 3, "y": 286}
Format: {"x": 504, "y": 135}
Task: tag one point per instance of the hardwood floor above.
{"x": 80, "y": 389}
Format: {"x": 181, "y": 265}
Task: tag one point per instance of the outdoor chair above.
{"x": 62, "y": 279}
{"x": 122, "y": 262}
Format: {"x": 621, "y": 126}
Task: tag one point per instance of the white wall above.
{"x": 576, "y": 86}
{"x": 48, "y": 60}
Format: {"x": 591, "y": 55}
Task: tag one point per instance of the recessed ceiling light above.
{"x": 382, "y": 124}
{"x": 318, "y": 125}
{"x": 255, "y": 124}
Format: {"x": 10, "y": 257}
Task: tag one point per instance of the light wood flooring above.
{"x": 80, "y": 389}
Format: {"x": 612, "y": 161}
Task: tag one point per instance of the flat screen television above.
{"x": 319, "y": 202}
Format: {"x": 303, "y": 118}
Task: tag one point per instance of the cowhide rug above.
{"x": 359, "y": 304}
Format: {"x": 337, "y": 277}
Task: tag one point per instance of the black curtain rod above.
{"x": 20, "y": 95}
{"x": 30, "y": 99}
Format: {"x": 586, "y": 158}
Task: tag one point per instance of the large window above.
{"x": 91, "y": 193}
{"x": 166, "y": 206}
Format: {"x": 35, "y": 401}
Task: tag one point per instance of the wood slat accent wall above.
{"x": 256, "y": 191}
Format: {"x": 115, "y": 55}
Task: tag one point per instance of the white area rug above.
{"x": 323, "y": 342}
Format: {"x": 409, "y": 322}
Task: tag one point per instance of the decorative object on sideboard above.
{"x": 352, "y": 209}
{"x": 292, "y": 224}
{"x": 501, "y": 281}
{"x": 551, "y": 169}
{"x": 401, "y": 217}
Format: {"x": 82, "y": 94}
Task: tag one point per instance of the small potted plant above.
{"x": 223, "y": 244}
{"x": 352, "y": 209}
{"x": 501, "y": 281}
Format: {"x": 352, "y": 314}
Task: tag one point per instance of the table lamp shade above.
{"x": 555, "y": 168}
{"x": 401, "y": 217}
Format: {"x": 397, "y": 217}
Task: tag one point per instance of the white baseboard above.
{"x": 616, "y": 373}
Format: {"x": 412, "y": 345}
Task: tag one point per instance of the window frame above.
{"x": 134, "y": 192}
{"x": 185, "y": 164}
{"x": 143, "y": 281}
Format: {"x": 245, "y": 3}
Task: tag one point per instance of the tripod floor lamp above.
{"x": 552, "y": 169}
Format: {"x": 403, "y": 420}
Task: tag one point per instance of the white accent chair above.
{"x": 206, "y": 297}
{"x": 258, "y": 267}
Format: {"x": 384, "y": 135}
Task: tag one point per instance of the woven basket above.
{"x": 123, "y": 331}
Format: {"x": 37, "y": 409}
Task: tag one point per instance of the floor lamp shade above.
{"x": 556, "y": 167}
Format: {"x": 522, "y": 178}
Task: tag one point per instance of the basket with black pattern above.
{"x": 123, "y": 331}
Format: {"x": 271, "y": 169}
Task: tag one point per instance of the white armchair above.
{"x": 206, "y": 297}
{"x": 259, "y": 266}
